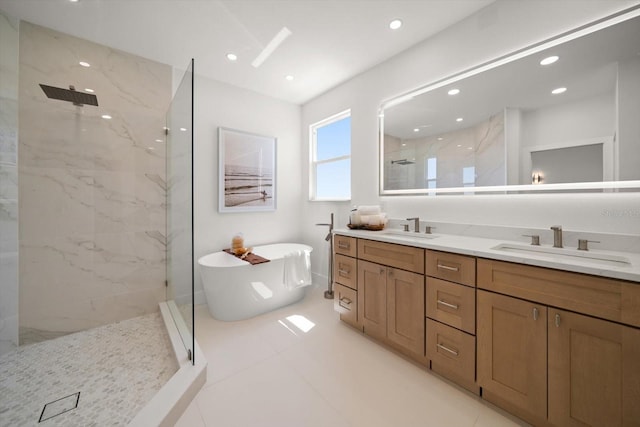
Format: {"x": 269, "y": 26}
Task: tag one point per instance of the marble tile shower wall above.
{"x": 91, "y": 191}
{"x": 8, "y": 185}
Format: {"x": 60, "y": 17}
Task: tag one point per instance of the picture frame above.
{"x": 246, "y": 172}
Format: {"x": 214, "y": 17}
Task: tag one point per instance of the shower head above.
{"x": 402, "y": 162}
{"x": 71, "y": 95}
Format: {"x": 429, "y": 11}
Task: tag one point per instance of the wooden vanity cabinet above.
{"x": 345, "y": 283}
{"x": 540, "y": 360}
{"x": 451, "y": 317}
{"x": 391, "y": 305}
{"x": 512, "y": 354}
{"x": 594, "y": 371}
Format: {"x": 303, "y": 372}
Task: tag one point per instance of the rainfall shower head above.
{"x": 71, "y": 95}
{"x": 402, "y": 162}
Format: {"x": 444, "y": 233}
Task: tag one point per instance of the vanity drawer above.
{"x": 451, "y": 267}
{"x": 452, "y": 304}
{"x": 609, "y": 299}
{"x": 399, "y": 256}
{"x": 452, "y": 354}
{"x": 345, "y": 271}
{"x": 344, "y": 245}
{"x": 346, "y": 303}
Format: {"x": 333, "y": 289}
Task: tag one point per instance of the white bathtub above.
{"x": 237, "y": 290}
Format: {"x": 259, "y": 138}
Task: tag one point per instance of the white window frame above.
{"x": 313, "y": 161}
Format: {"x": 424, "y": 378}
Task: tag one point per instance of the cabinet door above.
{"x": 512, "y": 354}
{"x": 405, "y": 310}
{"x": 372, "y": 298}
{"x": 594, "y": 371}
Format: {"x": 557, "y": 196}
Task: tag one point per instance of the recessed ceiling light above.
{"x": 459, "y": 119}
{"x": 289, "y": 77}
{"x": 404, "y": 144}
{"x": 416, "y": 130}
{"x": 440, "y": 138}
{"x": 232, "y": 57}
{"x": 89, "y": 90}
{"x": 183, "y": 129}
{"x": 469, "y": 148}
{"x": 159, "y": 140}
{"x": 106, "y": 117}
{"x": 454, "y": 91}
{"x": 459, "y": 145}
{"x": 559, "y": 90}
{"x": 549, "y": 60}
{"x": 74, "y": 1}
{"x": 395, "y": 24}
{"x": 84, "y": 64}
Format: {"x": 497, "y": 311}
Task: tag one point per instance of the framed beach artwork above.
{"x": 247, "y": 171}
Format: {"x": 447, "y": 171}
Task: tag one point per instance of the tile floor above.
{"x": 300, "y": 366}
{"x": 117, "y": 369}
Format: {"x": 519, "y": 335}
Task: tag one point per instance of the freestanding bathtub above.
{"x": 237, "y": 290}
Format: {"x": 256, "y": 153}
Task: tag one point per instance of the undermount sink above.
{"x": 565, "y": 253}
{"x": 409, "y": 234}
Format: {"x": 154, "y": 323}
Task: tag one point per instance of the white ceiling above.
{"x": 331, "y": 42}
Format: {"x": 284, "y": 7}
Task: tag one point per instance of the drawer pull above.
{"x": 345, "y": 303}
{"x": 446, "y": 304}
{"x": 345, "y": 272}
{"x": 535, "y": 313}
{"x": 455, "y": 353}
{"x": 446, "y": 267}
{"x": 557, "y": 320}
{"x": 343, "y": 245}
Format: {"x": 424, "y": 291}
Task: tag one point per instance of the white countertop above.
{"x": 563, "y": 259}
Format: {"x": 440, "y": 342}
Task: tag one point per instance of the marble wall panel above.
{"x": 8, "y": 184}
{"x": 481, "y": 147}
{"x": 92, "y": 191}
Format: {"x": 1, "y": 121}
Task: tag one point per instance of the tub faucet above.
{"x": 557, "y": 236}
{"x": 416, "y": 224}
{"x": 328, "y": 294}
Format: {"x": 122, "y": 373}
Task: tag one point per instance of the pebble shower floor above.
{"x": 116, "y": 368}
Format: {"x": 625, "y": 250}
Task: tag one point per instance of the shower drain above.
{"x": 60, "y": 406}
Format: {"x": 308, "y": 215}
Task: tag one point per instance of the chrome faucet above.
{"x": 557, "y": 236}
{"x": 416, "y": 224}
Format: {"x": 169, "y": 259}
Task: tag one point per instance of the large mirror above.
{"x": 563, "y": 115}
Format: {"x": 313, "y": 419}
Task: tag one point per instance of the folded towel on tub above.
{"x": 297, "y": 269}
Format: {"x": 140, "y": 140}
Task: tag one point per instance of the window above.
{"x": 330, "y": 167}
{"x": 431, "y": 173}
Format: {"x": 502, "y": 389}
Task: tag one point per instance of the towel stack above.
{"x": 368, "y": 216}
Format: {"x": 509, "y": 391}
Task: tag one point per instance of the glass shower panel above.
{"x": 180, "y": 206}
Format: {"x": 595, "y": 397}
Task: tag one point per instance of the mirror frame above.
{"x": 583, "y": 30}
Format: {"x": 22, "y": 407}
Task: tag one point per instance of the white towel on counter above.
{"x": 369, "y": 210}
{"x": 297, "y": 270}
{"x": 379, "y": 219}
